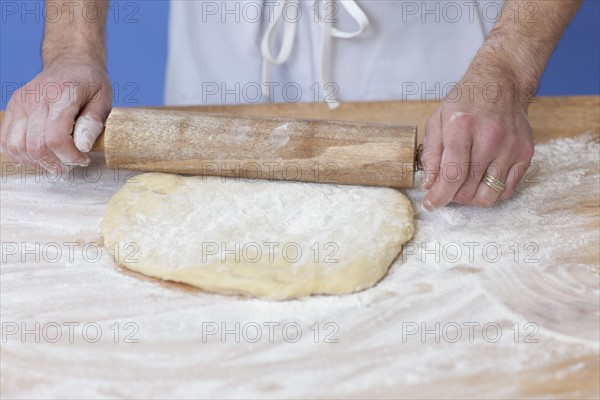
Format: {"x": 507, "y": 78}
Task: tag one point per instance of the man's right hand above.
{"x": 55, "y": 119}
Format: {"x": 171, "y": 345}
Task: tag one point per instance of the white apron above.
{"x": 251, "y": 51}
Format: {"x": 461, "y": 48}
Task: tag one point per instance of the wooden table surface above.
{"x": 174, "y": 357}
{"x": 550, "y": 117}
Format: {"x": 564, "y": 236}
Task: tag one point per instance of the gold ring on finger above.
{"x": 494, "y": 183}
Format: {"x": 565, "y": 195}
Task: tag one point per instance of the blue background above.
{"x": 137, "y": 49}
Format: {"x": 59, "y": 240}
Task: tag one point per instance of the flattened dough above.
{"x": 275, "y": 240}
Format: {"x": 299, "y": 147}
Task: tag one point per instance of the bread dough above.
{"x": 275, "y": 240}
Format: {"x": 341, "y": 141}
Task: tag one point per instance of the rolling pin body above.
{"x": 250, "y": 148}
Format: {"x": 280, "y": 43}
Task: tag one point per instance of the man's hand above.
{"x": 68, "y": 96}
{"x": 481, "y": 128}
{"x": 55, "y": 119}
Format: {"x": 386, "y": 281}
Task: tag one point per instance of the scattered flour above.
{"x": 541, "y": 289}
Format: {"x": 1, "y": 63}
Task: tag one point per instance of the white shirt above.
{"x": 411, "y": 50}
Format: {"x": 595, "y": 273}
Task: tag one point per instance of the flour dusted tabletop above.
{"x": 500, "y": 302}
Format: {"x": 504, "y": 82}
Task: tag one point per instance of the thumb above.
{"x": 87, "y": 130}
{"x": 89, "y": 126}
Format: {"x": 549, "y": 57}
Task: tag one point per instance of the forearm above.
{"x": 78, "y": 32}
{"x": 523, "y": 40}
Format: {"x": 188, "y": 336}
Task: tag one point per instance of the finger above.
{"x": 514, "y": 177}
{"x": 91, "y": 120}
{"x": 6, "y": 118}
{"x": 486, "y": 196}
{"x": 15, "y": 141}
{"x": 454, "y": 164}
{"x": 87, "y": 130}
{"x": 518, "y": 169}
{"x": 57, "y": 135}
{"x": 5, "y": 125}
{"x": 432, "y": 150}
{"x": 486, "y": 145}
{"x": 34, "y": 141}
{"x": 14, "y": 128}
{"x": 479, "y": 160}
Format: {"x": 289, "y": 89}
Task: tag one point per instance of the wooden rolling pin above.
{"x": 246, "y": 147}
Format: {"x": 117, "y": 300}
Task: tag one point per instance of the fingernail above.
{"x": 54, "y": 169}
{"x": 428, "y": 181}
{"x": 86, "y": 161}
{"x": 426, "y": 203}
{"x": 21, "y": 160}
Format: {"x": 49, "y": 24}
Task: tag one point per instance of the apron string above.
{"x": 289, "y": 35}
